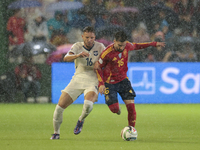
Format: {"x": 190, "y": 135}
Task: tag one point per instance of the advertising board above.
{"x": 152, "y": 82}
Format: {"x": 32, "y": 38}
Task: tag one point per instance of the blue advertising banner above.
{"x": 152, "y": 82}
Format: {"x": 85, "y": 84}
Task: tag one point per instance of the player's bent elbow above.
{"x": 68, "y": 59}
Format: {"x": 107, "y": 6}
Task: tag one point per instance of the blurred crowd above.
{"x": 176, "y": 22}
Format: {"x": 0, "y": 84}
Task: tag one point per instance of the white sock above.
{"x": 57, "y": 118}
{"x": 87, "y": 108}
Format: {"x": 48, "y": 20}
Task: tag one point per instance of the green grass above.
{"x": 160, "y": 127}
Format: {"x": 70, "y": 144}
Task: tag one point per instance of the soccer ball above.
{"x": 129, "y": 133}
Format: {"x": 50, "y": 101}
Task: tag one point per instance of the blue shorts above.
{"x": 124, "y": 89}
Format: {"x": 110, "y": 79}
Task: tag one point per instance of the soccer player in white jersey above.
{"x": 84, "y": 54}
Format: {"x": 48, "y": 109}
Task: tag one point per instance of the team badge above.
{"x": 120, "y": 55}
{"x": 95, "y": 53}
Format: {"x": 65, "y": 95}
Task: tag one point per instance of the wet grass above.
{"x": 160, "y": 127}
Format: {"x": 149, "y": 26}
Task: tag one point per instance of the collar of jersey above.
{"x": 88, "y": 49}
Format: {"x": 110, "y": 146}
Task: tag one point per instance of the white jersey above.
{"x": 84, "y": 66}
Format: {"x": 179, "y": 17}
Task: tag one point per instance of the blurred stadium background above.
{"x": 146, "y": 11}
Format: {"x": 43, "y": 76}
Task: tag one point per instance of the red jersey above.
{"x": 16, "y": 26}
{"x": 113, "y": 63}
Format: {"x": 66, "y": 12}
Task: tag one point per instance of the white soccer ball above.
{"x": 129, "y": 133}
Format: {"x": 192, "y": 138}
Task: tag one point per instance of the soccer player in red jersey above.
{"x": 112, "y": 74}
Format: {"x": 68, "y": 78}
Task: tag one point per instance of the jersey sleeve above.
{"x": 100, "y": 77}
{"x": 102, "y": 62}
{"x": 74, "y": 49}
{"x": 103, "y": 59}
{"x": 143, "y": 45}
{"x": 102, "y": 47}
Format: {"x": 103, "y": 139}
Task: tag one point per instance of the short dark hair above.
{"x": 121, "y": 36}
{"x": 89, "y": 29}
{"x": 158, "y": 39}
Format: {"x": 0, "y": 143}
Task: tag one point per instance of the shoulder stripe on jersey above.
{"x": 106, "y": 52}
{"x": 142, "y": 43}
{"x": 99, "y": 77}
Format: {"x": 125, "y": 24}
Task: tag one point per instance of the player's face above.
{"x": 88, "y": 39}
{"x": 119, "y": 46}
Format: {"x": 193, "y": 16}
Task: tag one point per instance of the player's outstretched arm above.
{"x": 71, "y": 56}
{"x": 162, "y": 44}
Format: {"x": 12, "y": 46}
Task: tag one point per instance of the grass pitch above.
{"x": 160, "y": 127}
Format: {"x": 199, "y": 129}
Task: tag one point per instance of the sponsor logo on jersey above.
{"x": 114, "y": 59}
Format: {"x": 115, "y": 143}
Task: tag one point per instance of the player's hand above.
{"x": 102, "y": 89}
{"x": 96, "y": 65}
{"x": 162, "y": 44}
{"x": 83, "y": 54}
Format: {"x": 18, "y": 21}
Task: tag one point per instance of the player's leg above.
{"x": 111, "y": 98}
{"x": 115, "y": 108}
{"x": 127, "y": 93}
{"x": 131, "y": 112}
{"x": 90, "y": 96}
{"x": 68, "y": 96}
{"x": 64, "y": 101}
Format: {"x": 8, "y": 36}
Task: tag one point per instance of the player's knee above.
{"x": 114, "y": 107}
{"x": 88, "y": 106}
{"x": 58, "y": 114}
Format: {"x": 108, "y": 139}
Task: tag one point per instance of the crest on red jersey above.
{"x": 120, "y": 55}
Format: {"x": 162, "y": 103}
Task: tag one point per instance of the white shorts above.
{"x": 75, "y": 88}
